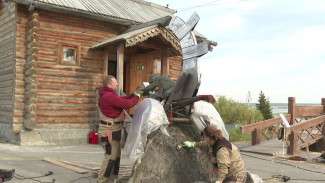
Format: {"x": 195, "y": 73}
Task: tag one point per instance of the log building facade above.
{"x": 53, "y": 58}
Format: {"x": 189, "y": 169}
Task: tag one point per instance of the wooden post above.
{"x": 105, "y": 69}
{"x": 320, "y": 144}
{"x": 292, "y": 109}
{"x": 120, "y": 64}
{"x": 292, "y": 148}
{"x": 164, "y": 63}
{"x": 255, "y": 137}
{"x": 323, "y": 103}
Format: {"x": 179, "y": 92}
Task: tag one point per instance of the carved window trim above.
{"x": 76, "y": 54}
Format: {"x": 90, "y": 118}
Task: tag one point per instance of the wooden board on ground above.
{"x": 64, "y": 165}
{"x": 80, "y": 166}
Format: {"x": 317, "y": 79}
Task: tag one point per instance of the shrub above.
{"x": 235, "y": 135}
{"x": 233, "y": 112}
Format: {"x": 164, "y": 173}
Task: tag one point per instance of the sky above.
{"x": 273, "y": 46}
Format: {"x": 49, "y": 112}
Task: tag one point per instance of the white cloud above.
{"x": 273, "y": 46}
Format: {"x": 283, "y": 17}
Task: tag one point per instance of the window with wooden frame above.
{"x": 69, "y": 54}
{"x": 157, "y": 66}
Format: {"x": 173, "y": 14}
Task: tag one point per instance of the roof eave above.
{"x": 76, "y": 12}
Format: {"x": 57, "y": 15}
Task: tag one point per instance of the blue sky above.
{"x": 274, "y": 46}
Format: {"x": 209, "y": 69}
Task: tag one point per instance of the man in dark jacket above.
{"x": 111, "y": 106}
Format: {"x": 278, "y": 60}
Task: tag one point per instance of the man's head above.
{"x": 110, "y": 82}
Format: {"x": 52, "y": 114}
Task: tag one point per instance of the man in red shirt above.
{"x": 111, "y": 106}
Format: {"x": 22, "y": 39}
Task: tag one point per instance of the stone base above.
{"x": 58, "y": 135}
{"x": 6, "y": 134}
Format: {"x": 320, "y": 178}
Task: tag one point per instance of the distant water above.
{"x": 278, "y": 108}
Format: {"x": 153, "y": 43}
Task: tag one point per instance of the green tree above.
{"x": 264, "y": 106}
{"x": 233, "y": 112}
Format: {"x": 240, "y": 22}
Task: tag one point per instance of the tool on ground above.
{"x": 6, "y": 174}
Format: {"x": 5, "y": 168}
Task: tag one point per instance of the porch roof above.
{"x": 140, "y": 35}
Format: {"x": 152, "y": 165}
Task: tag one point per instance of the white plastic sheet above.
{"x": 148, "y": 117}
{"x": 204, "y": 114}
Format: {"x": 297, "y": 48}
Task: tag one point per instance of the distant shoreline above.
{"x": 286, "y": 104}
{"x": 278, "y": 108}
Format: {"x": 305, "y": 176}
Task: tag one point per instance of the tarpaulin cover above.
{"x": 148, "y": 117}
{"x": 204, "y": 114}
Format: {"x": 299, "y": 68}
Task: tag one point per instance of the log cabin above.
{"x": 54, "y": 54}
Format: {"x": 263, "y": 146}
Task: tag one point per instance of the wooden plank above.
{"x": 310, "y": 141}
{"x": 49, "y": 86}
{"x": 164, "y": 63}
{"x": 69, "y": 74}
{"x": 80, "y": 166}
{"x": 72, "y": 81}
{"x": 63, "y": 100}
{"x": 120, "y": 66}
{"x": 69, "y": 167}
{"x": 263, "y": 124}
{"x": 68, "y": 68}
{"x": 66, "y": 108}
{"x": 89, "y": 95}
{"x": 188, "y": 26}
{"x": 67, "y": 120}
{"x": 105, "y": 69}
{"x": 309, "y": 110}
{"x": 292, "y": 110}
{"x": 310, "y": 123}
{"x": 196, "y": 50}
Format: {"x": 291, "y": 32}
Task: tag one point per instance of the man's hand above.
{"x": 218, "y": 181}
{"x": 188, "y": 144}
{"x": 137, "y": 94}
{"x": 208, "y": 98}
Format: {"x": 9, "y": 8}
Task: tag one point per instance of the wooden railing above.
{"x": 306, "y": 133}
{"x": 264, "y": 129}
{"x": 307, "y": 126}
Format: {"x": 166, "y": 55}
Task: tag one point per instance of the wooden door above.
{"x": 141, "y": 67}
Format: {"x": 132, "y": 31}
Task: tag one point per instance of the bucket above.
{"x": 93, "y": 137}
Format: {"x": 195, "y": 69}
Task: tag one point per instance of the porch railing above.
{"x": 307, "y": 126}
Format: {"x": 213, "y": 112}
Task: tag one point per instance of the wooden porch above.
{"x": 306, "y": 128}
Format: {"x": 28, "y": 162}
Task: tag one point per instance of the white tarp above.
{"x": 204, "y": 114}
{"x": 148, "y": 117}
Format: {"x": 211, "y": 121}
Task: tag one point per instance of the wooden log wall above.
{"x": 65, "y": 93}
{"x": 175, "y": 67}
{"x": 30, "y": 72}
{"x": 7, "y": 66}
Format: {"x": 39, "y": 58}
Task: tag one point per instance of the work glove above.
{"x": 137, "y": 94}
{"x": 208, "y": 98}
{"x": 188, "y": 144}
